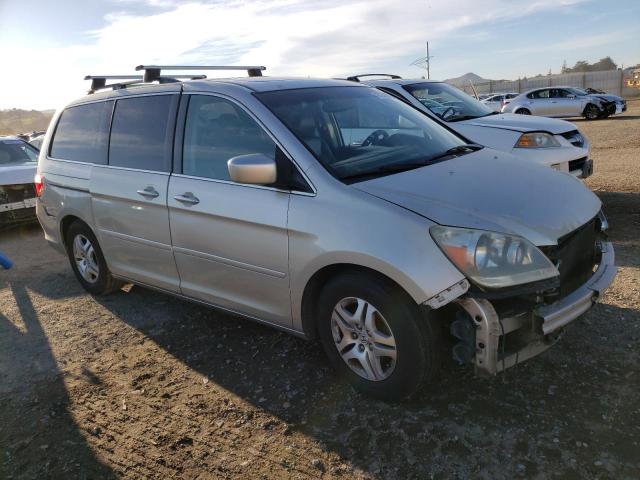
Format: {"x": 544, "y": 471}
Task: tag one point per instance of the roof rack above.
{"x": 99, "y": 82}
{"x": 152, "y": 72}
{"x": 356, "y": 78}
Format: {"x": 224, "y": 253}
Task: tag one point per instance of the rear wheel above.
{"x": 523, "y": 111}
{"x": 591, "y": 112}
{"x": 376, "y": 337}
{"x": 87, "y": 260}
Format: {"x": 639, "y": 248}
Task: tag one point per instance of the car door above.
{"x": 129, "y": 194}
{"x": 571, "y": 104}
{"x": 541, "y": 103}
{"x": 230, "y": 240}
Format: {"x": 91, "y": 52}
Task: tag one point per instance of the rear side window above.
{"x": 82, "y": 133}
{"x": 142, "y": 132}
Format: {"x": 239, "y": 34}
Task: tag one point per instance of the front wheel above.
{"x": 87, "y": 260}
{"x": 523, "y": 111}
{"x": 591, "y": 112}
{"x": 376, "y": 337}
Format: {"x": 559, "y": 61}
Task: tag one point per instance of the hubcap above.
{"x": 363, "y": 339}
{"x": 85, "y": 258}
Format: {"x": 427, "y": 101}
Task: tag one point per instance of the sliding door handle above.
{"x": 187, "y": 197}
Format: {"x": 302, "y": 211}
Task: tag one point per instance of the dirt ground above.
{"x": 142, "y": 385}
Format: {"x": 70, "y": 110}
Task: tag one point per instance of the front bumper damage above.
{"x": 536, "y": 330}
{"x": 17, "y": 204}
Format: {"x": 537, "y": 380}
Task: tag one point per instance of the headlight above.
{"x": 537, "y": 140}
{"x": 493, "y": 260}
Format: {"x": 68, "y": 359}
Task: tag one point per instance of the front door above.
{"x": 129, "y": 195}
{"x": 230, "y": 240}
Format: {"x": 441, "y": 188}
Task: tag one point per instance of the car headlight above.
{"x": 493, "y": 260}
{"x": 537, "y": 140}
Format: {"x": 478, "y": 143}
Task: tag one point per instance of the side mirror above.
{"x": 255, "y": 168}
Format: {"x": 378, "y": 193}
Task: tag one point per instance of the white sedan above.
{"x": 496, "y": 101}
{"x": 18, "y": 163}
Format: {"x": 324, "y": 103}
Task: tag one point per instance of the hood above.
{"x": 522, "y": 123}
{"x": 490, "y": 190}
{"x": 606, "y": 97}
{"x": 17, "y": 173}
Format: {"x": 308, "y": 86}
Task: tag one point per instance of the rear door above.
{"x": 129, "y": 194}
{"x": 230, "y": 240}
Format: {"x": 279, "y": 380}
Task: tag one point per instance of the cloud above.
{"x": 290, "y": 37}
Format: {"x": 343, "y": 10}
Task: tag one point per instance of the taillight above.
{"x": 39, "y": 184}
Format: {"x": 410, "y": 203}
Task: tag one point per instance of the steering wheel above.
{"x": 375, "y": 137}
{"x": 444, "y": 115}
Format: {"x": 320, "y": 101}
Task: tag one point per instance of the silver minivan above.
{"x": 327, "y": 209}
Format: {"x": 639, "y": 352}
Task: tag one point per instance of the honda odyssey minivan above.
{"x": 327, "y": 209}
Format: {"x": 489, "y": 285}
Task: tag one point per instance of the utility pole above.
{"x": 423, "y": 62}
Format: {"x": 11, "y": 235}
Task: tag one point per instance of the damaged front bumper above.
{"x": 17, "y": 204}
{"x": 501, "y": 343}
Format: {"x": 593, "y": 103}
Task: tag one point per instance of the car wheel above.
{"x": 523, "y": 111}
{"x": 87, "y": 260}
{"x": 591, "y": 112}
{"x": 376, "y": 337}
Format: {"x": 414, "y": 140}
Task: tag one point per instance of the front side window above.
{"x": 358, "y": 132}
{"x": 82, "y": 133}
{"x": 16, "y": 152}
{"x": 217, "y": 130}
{"x": 142, "y": 133}
{"x": 448, "y": 102}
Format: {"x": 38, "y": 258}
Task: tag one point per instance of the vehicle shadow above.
{"x": 623, "y": 214}
{"x": 616, "y": 118}
{"x": 462, "y": 427}
{"x": 38, "y": 436}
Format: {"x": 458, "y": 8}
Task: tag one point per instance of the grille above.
{"x": 575, "y": 138}
{"x": 575, "y": 256}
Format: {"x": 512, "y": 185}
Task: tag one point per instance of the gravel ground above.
{"x": 142, "y": 385}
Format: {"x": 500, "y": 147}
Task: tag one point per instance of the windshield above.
{"x": 16, "y": 151}
{"x": 448, "y": 102}
{"x": 358, "y": 132}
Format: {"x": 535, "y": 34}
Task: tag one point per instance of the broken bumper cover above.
{"x": 562, "y": 312}
{"x": 538, "y": 329}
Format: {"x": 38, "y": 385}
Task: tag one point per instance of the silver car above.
{"x": 327, "y": 209}
{"x": 496, "y": 101}
{"x": 18, "y": 162}
{"x": 565, "y": 102}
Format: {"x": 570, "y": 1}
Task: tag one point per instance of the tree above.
{"x": 605, "y": 63}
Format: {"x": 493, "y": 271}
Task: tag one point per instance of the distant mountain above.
{"x": 22, "y": 121}
{"x": 463, "y": 80}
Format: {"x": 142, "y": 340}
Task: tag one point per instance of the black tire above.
{"x": 418, "y": 339}
{"x": 523, "y": 111}
{"x": 591, "y": 112}
{"x": 104, "y": 284}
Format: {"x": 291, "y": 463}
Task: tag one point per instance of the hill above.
{"x": 464, "y": 79}
{"x": 21, "y": 121}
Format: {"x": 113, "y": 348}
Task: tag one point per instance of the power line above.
{"x": 423, "y": 62}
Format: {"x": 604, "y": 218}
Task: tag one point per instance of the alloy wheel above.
{"x": 85, "y": 257}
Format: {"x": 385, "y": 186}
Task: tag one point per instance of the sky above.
{"x": 47, "y": 47}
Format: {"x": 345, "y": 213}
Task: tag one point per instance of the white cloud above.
{"x": 290, "y": 37}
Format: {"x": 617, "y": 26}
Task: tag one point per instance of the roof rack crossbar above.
{"x": 99, "y": 82}
{"x": 356, "y": 78}
{"x": 152, "y": 72}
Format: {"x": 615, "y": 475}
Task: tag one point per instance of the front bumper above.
{"x": 536, "y": 330}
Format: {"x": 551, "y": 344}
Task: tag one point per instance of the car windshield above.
{"x": 448, "y": 102}
{"x": 16, "y": 151}
{"x": 359, "y": 133}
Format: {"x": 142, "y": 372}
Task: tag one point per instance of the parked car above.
{"x": 555, "y": 143}
{"x": 18, "y": 163}
{"x": 327, "y": 209}
{"x": 565, "y": 102}
{"x": 497, "y": 101}
{"x": 36, "y": 140}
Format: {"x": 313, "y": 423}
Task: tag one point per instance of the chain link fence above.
{"x": 610, "y": 81}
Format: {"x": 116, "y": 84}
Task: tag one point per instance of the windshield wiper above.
{"x": 402, "y": 167}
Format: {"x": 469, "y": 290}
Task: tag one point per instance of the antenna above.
{"x": 423, "y": 62}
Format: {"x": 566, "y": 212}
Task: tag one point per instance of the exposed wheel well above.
{"x": 522, "y": 109}
{"x": 316, "y": 283}
{"x": 64, "y": 226}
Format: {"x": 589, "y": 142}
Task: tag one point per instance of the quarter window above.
{"x": 142, "y": 132}
{"x": 82, "y": 132}
{"x": 217, "y": 130}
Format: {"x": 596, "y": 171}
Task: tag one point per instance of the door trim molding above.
{"x": 229, "y": 262}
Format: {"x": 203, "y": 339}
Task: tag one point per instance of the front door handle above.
{"x": 187, "y": 197}
{"x": 148, "y": 192}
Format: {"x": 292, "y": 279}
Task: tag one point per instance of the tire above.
{"x": 83, "y": 248}
{"x": 523, "y": 111}
{"x": 591, "y": 112}
{"x": 395, "y": 318}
